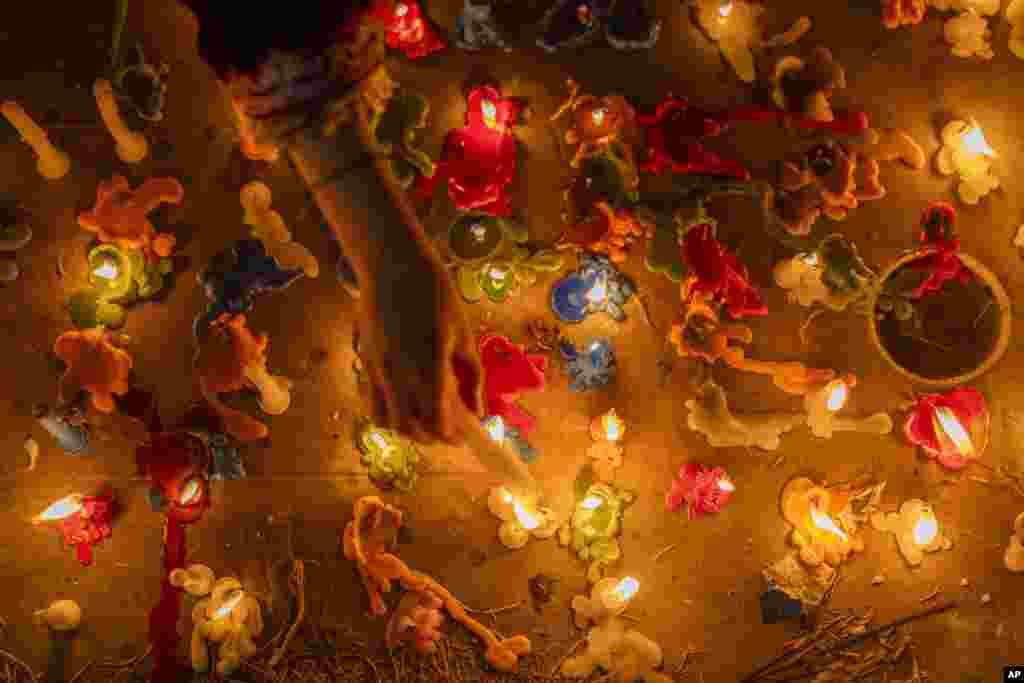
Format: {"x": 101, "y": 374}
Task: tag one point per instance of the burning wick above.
{"x": 191, "y": 492}
{"x": 725, "y": 8}
{"x": 229, "y": 604}
{"x": 837, "y": 395}
{"x": 598, "y": 116}
{"x": 497, "y": 273}
{"x": 613, "y": 425}
{"x": 107, "y": 270}
{"x": 948, "y": 423}
{"x": 490, "y": 113}
{"x": 65, "y": 507}
{"x": 386, "y": 448}
{"x": 478, "y": 231}
{"x": 975, "y": 142}
{"x": 726, "y": 485}
{"x": 526, "y": 520}
{"x": 811, "y": 259}
{"x": 495, "y": 427}
{"x": 926, "y": 528}
{"x": 599, "y": 292}
{"x": 619, "y": 596}
{"x": 591, "y": 503}
{"x": 402, "y": 9}
{"x": 823, "y": 521}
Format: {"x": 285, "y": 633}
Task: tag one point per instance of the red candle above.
{"x": 508, "y": 372}
{"x": 84, "y": 521}
{"x": 952, "y": 427}
{"x": 703, "y": 489}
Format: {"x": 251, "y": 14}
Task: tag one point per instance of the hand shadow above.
{"x": 59, "y": 660}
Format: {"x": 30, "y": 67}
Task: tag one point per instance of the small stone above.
{"x": 964, "y": 582}
{"x": 986, "y": 598}
{"x": 878, "y": 580}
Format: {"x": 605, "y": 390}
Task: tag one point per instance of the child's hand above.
{"x": 419, "y": 352}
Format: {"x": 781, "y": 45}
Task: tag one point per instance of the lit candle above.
{"x": 916, "y": 529}
{"x": 495, "y": 427}
{"x": 65, "y": 507}
{"x": 478, "y": 231}
{"x": 823, "y": 405}
{"x": 498, "y": 273}
{"x": 521, "y": 518}
{"x": 591, "y": 503}
{"x": 402, "y": 9}
{"x": 725, "y": 9}
{"x": 106, "y": 270}
{"x": 391, "y": 460}
{"x": 952, "y": 427}
{"x": 233, "y": 600}
{"x": 822, "y": 543}
{"x": 191, "y": 492}
{"x": 616, "y": 597}
{"x": 597, "y": 116}
{"x": 599, "y": 292}
{"x": 609, "y": 427}
{"x": 490, "y": 112}
{"x": 966, "y": 153}
{"x": 951, "y": 433}
{"x": 1013, "y": 558}
{"x": 594, "y": 528}
{"x": 811, "y": 259}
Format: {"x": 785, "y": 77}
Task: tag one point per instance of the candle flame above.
{"x": 837, "y": 395}
{"x": 613, "y": 425}
{"x": 599, "y": 292}
{"x": 726, "y": 485}
{"x": 625, "y": 589}
{"x": 478, "y": 231}
{"x": 229, "y": 604}
{"x": 498, "y": 273}
{"x": 954, "y": 429}
{"x": 725, "y": 8}
{"x": 191, "y": 491}
{"x": 402, "y": 9}
{"x": 926, "y": 528}
{"x": 490, "y": 112}
{"x": 65, "y": 507}
{"x": 975, "y": 142}
{"x": 378, "y": 439}
{"x": 527, "y": 520}
{"x": 811, "y": 259}
{"x": 107, "y": 271}
{"x": 495, "y": 427}
{"x": 598, "y": 116}
{"x": 823, "y": 521}
{"x": 591, "y": 503}
{"x": 506, "y": 496}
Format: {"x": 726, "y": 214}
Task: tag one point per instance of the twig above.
{"x": 853, "y": 640}
{"x": 982, "y": 314}
{"x": 663, "y": 551}
{"x": 33, "y": 676}
{"x": 298, "y": 585}
{"x": 81, "y": 672}
{"x": 495, "y": 610}
{"x": 564, "y": 657}
{"x": 376, "y": 674}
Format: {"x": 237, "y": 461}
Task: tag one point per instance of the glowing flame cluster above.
{"x": 826, "y": 523}
{"x": 65, "y": 507}
{"x": 837, "y": 395}
{"x": 949, "y": 425}
{"x": 597, "y": 116}
{"x": 926, "y": 528}
{"x": 526, "y": 519}
{"x": 591, "y": 503}
{"x": 975, "y": 143}
{"x": 229, "y": 604}
{"x": 498, "y": 273}
{"x": 726, "y": 485}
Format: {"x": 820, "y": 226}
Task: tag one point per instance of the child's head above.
{"x": 239, "y": 37}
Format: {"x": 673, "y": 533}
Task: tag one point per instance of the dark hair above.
{"x": 236, "y": 36}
